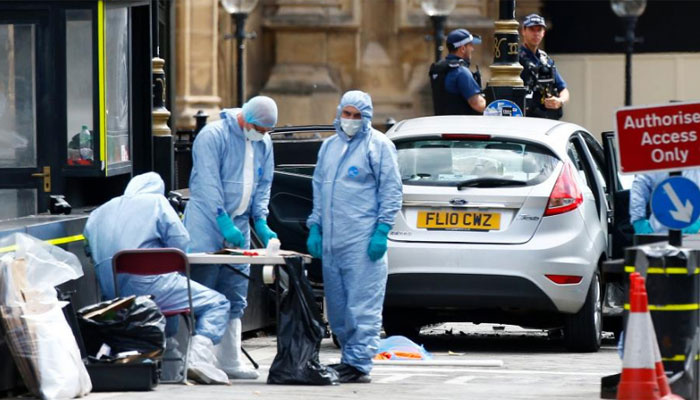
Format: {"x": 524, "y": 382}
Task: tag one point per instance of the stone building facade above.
{"x": 306, "y": 53}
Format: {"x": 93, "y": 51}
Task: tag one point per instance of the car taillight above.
{"x": 564, "y": 279}
{"x": 566, "y": 195}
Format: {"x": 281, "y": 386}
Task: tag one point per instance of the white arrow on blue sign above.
{"x": 676, "y": 202}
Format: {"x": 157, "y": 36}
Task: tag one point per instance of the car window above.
{"x": 307, "y": 170}
{"x": 598, "y": 156}
{"x": 447, "y": 162}
{"x": 577, "y": 160}
{"x": 626, "y": 181}
{"x": 296, "y": 136}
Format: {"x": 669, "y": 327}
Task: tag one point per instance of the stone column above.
{"x": 414, "y": 49}
{"x": 196, "y": 61}
{"x": 316, "y": 53}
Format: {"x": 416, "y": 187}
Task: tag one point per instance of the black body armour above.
{"x": 444, "y": 102}
{"x": 539, "y": 79}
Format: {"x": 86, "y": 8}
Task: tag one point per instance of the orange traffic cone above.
{"x": 638, "y": 380}
{"x": 661, "y": 379}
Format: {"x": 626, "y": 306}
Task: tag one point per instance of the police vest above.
{"x": 537, "y": 83}
{"x": 444, "y": 102}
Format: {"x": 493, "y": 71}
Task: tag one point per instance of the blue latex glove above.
{"x": 642, "y": 226}
{"x": 231, "y": 234}
{"x": 377, "y": 243}
{"x": 315, "y": 243}
{"x": 694, "y": 228}
{"x": 264, "y": 232}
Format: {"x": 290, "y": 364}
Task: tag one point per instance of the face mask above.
{"x": 253, "y": 135}
{"x": 350, "y": 126}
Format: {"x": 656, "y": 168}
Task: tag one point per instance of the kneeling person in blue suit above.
{"x": 142, "y": 218}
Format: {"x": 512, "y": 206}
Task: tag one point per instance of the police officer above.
{"x": 549, "y": 92}
{"x": 455, "y": 89}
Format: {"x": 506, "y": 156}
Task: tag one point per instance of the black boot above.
{"x": 349, "y": 374}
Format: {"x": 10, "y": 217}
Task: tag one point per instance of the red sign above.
{"x": 658, "y": 138}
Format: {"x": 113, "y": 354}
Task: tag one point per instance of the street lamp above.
{"x": 629, "y": 11}
{"x": 239, "y": 10}
{"x": 438, "y": 10}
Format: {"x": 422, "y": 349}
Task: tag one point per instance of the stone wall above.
{"x": 308, "y": 52}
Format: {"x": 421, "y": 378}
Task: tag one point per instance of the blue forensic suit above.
{"x": 142, "y": 218}
{"x": 356, "y": 186}
{"x": 220, "y": 179}
{"x": 642, "y": 188}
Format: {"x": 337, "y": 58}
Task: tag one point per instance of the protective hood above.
{"x": 230, "y": 115}
{"x": 150, "y": 182}
{"x": 363, "y": 103}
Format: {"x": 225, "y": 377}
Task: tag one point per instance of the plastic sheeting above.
{"x": 401, "y": 348}
{"x": 40, "y": 340}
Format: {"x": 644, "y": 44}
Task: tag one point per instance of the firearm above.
{"x": 541, "y": 85}
{"x": 477, "y": 76}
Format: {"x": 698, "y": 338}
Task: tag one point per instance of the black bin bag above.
{"x": 125, "y": 324}
{"x": 299, "y": 333}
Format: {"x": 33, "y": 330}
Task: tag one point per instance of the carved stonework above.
{"x": 308, "y": 52}
{"x": 473, "y": 13}
{"x": 160, "y": 114}
{"x": 196, "y": 56}
{"x": 310, "y": 13}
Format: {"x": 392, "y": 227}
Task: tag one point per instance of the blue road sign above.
{"x": 676, "y": 202}
{"x": 503, "y": 108}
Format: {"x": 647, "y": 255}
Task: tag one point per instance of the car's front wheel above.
{"x": 583, "y": 331}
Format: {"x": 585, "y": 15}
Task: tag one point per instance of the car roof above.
{"x": 551, "y": 133}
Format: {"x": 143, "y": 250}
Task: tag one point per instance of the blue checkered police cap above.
{"x": 533, "y": 20}
{"x": 460, "y": 37}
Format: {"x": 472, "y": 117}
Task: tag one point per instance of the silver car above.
{"x": 504, "y": 220}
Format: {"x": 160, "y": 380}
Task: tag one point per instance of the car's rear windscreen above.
{"x": 447, "y": 162}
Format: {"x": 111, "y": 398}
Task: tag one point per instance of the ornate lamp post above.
{"x": 505, "y": 82}
{"x": 629, "y": 11}
{"x": 438, "y": 10}
{"x": 239, "y": 10}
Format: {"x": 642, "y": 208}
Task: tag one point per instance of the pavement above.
{"x": 535, "y": 366}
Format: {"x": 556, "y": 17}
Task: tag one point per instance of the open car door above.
{"x": 619, "y": 226}
{"x": 291, "y": 200}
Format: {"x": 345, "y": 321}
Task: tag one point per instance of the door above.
{"x": 620, "y": 228}
{"x": 25, "y": 102}
{"x": 291, "y": 200}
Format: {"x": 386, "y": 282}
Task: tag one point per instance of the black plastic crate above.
{"x": 123, "y": 377}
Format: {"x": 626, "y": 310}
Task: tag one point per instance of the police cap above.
{"x": 460, "y": 37}
{"x": 533, "y": 20}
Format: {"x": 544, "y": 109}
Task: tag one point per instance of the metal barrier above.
{"x": 673, "y": 287}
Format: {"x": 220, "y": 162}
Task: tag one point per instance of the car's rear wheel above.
{"x": 400, "y": 323}
{"x": 583, "y": 331}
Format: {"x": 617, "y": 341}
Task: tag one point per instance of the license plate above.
{"x": 459, "y": 220}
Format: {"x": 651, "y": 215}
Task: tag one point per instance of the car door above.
{"x": 291, "y": 198}
{"x": 291, "y": 202}
{"x": 620, "y": 228}
{"x": 597, "y": 225}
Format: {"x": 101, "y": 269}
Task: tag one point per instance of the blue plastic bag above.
{"x": 401, "y": 348}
